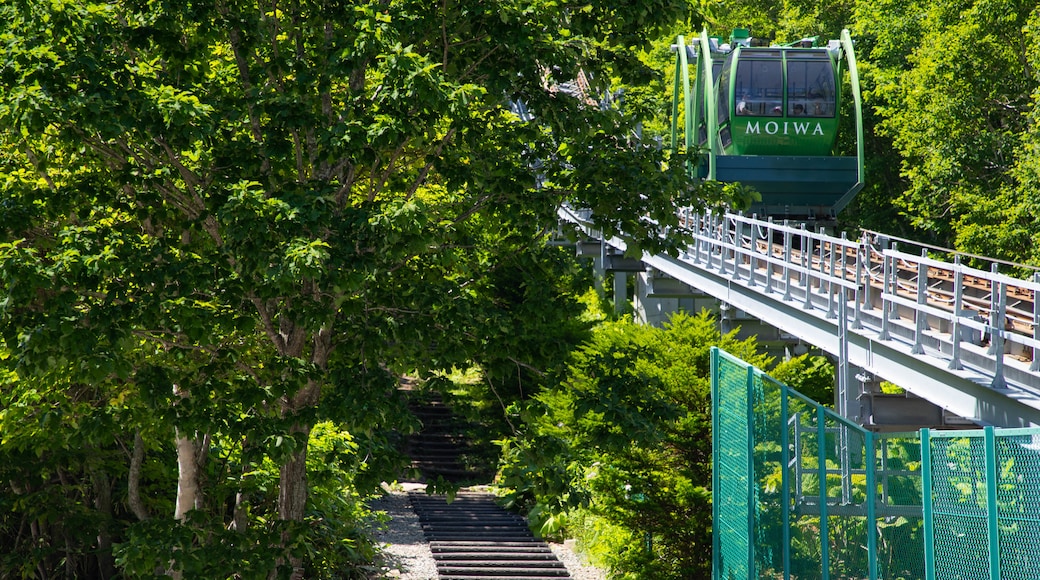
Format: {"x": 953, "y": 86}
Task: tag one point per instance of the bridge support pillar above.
{"x": 849, "y": 391}
{"x": 620, "y": 292}
{"x": 658, "y": 296}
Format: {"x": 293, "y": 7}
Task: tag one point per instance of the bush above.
{"x": 619, "y": 451}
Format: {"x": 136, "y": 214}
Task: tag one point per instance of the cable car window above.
{"x": 759, "y": 88}
{"x": 810, "y": 88}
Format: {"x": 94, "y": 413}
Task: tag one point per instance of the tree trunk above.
{"x": 240, "y": 519}
{"x": 292, "y": 485}
{"x": 103, "y": 504}
{"x": 188, "y": 492}
{"x": 133, "y": 483}
{"x": 292, "y": 492}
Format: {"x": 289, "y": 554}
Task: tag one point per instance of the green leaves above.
{"x": 306, "y": 259}
{"x": 958, "y": 123}
{"x": 178, "y": 108}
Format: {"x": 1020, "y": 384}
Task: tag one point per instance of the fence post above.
{"x": 707, "y": 231}
{"x": 926, "y": 501}
{"x": 863, "y": 261}
{"x": 958, "y": 300}
{"x": 785, "y": 479}
{"x": 1035, "y": 365}
{"x": 753, "y": 247}
{"x": 721, "y": 230}
{"x": 821, "y": 231}
{"x": 998, "y": 319}
{"x": 769, "y": 256}
{"x": 752, "y": 571}
{"x": 871, "y": 499}
{"x": 807, "y": 259}
{"x": 787, "y": 261}
{"x": 991, "y": 503}
{"x": 716, "y": 569}
{"x": 922, "y": 298}
{"x": 738, "y": 244}
{"x": 862, "y": 295}
{"x": 893, "y": 307}
{"x": 698, "y": 241}
{"x": 994, "y": 297}
{"x": 833, "y": 263}
{"x": 821, "y": 447}
{"x": 888, "y": 264}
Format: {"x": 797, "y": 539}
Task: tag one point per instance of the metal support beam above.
{"x": 617, "y": 263}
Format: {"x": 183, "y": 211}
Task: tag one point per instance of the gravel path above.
{"x": 407, "y": 555}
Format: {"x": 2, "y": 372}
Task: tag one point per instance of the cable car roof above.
{"x": 741, "y": 37}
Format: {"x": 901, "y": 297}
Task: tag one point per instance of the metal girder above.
{"x": 588, "y": 249}
{"x": 617, "y": 263}
{"x": 660, "y": 287}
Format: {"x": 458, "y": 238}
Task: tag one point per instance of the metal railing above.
{"x": 966, "y": 339}
{"x": 937, "y": 306}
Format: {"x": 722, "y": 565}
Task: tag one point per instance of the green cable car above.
{"x": 768, "y": 117}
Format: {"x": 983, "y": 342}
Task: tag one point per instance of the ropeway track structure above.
{"x": 962, "y": 338}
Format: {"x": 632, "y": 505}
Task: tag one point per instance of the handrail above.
{"x": 704, "y": 63}
{"x": 850, "y": 58}
{"x": 680, "y": 82}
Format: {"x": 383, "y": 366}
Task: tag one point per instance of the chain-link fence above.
{"x": 801, "y": 493}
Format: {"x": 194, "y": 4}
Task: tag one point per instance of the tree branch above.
{"x": 425, "y": 171}
{"x": 347, "y": 185}
{"x": 39, "y": 169}
{"x": 235, "y": 39}
{"x": 378, "y": 183}
{"x": 444, "y": 34}
{"x": 268, "y": 323}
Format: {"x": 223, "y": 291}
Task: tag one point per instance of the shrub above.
{"x": 620, "y": 449}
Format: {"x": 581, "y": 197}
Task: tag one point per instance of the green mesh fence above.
{"x": 984, "y": 517}
{"x": 732, "y": 511}
{"x": 800, "y": 493}
{"x": 1018, "y": 503}
{"x": 900, "y": 517}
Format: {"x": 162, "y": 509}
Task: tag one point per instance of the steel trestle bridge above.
{"x": 964, "y": 339}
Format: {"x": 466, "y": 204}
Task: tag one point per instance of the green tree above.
{"x": 785, "y": 21}
{"x": 958, "y": 118}
{"x": 227, "y": 220}
{"x": 624, "y": 441}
